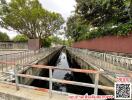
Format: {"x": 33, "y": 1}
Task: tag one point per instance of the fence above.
{"x": 104, "y": 60}
{"x": 13, "y": 45}
{"x": 25, "y": 57}
{"x": 96, "y": 86}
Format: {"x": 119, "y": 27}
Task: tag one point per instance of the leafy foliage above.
{"x": 46, "y": 42}
{"x": 20, "y": 38}
{"x": 121, "y": 30}
{"x": 76, "y": 28}
{"x": 4, "y": 37}
{"x": 29, "y": 18}
{"x": 102, "y": 12}
{"x": 97, "y": 18}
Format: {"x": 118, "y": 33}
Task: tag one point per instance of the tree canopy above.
{"x": 102, "y": 12}
{"x": 20, "y": 38}
{"x": 28, "y": 17}
{"x": 4, "y": 37}
{"x": 95, "y": 18}
{"x": 76, "y": 28}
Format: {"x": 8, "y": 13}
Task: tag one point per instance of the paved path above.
{"x": 26, "y": 94}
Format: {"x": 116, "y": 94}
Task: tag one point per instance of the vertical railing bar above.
{"x": 10, "y": 60}
{"x": 16, "y": 77}
{"x": 2, "y": 64}
{"x": 96, "y": 83}
{"x": 26, "y": 56}
{"x": 21, "y": 57}
{"x": 6, "y": 61}
{"x": 50, "y": 83}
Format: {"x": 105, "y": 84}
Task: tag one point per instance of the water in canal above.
{"x": 62, "y": 62}
{"x": 59, "y": 74}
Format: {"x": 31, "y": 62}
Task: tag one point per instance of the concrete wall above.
{"x": 34, "y": 44}
{"x": 13, "y": 45}
{"x": 32, "y": 71}
{"x": 36, "y": 71}
{"x": 119, "y": 44}
{"x": 85, "y": 65}
{"x": 4, "y": 96}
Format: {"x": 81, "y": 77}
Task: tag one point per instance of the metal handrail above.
{"x": 50, "y": 79}
{"x": 117, "y": 56}
{"x": 96, "y": 86}
{"x": 120, "y": 61}
{"x": 25, "y": 57}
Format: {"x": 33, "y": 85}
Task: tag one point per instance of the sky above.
{"x": 64, "y": 7}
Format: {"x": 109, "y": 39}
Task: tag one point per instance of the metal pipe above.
{"x": 16, "y": 77}
{"x": 50, "y": 82}
{"x": 67, "y": 82}
{"x": 96, "y": 84}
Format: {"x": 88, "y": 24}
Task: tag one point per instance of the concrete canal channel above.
{"x": 63, "y": 59}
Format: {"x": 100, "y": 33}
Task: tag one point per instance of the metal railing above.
{"x": 13, "y": 45}
{"x": 96, "y": 85}
{"x": 22, "y": 58}
{"x": 104, "y": 60}
{"x": 27, "y": 56}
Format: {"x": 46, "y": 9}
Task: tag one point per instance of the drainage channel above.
{"x": 62, "y": 62}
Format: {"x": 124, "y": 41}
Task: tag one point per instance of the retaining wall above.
{"x": 119, "y": 44}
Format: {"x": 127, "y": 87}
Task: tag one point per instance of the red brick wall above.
{"x": 108, "y": 43}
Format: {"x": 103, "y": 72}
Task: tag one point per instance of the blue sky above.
{"x": 64, "y": 7}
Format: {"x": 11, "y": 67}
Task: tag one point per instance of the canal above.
{"x": 62, "y": 61}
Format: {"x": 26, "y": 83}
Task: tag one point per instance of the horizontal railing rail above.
{"x": 96, "y": 85}
{"x": 119, "y": 62}
{"x": 108, "y": 72}
{"x": 23, "y": 58}
{"x": 50, "y": 79}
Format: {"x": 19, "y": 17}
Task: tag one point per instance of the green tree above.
{"x": 103, "y": 12}
{"x": 20, "y": 38}
{"x": 4, "y": 37}
{"x": 96, "y": 18}
{"x": 46, "y": 42}
{"x": 76, "y": 28}
{"x": 29, "y": 18}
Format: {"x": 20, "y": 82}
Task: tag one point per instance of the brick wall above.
{"x": 121, "y": 44}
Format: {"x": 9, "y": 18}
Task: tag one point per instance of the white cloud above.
{"x": 64, "y": 7}
{"x": 10, "y": 33}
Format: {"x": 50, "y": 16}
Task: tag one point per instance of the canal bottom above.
{"x": 63, "y": 62}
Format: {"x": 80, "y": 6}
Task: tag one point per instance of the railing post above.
{"x": 50, "y": 82}
{"x": 16, "y": 77}
{"x": 6, "y": 61}
{"x": 96, "y": 83}
{"x": 1, "y": 64}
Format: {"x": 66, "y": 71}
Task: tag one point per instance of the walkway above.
{"x": 22, "y": 58}
{"x": 27, "y": 93}
{"x": 104, "y": 61}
